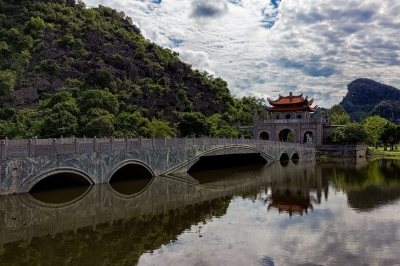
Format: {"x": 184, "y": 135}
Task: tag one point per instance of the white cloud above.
{"x": 272, "y": 47}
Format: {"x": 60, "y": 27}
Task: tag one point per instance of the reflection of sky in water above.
{"x": 331, "y": 234}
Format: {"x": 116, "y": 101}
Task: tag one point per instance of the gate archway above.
{"x": 286, "y": 135}
{"x": 264, "y": 135}
{"x": 310, "y": 134}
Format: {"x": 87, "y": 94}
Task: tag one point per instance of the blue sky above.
{"x": 271, "y": 47}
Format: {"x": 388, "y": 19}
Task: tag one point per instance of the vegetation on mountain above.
{"x": 366, "y": 97}
{"x": 71, "y": 70}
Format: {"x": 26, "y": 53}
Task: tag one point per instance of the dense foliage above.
{"x": 390, "y": 135}
{"x": 338, "y": 116}
{"x": 351, "y": 133}
{"x": 372, "y": 130}
{"x": 375, "y": 126}
{"x": 70, "y": 70}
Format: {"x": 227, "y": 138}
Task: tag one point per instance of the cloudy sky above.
{"x": 270, "y": 47}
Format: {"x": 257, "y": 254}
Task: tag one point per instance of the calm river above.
{"x": 304, "y": 213}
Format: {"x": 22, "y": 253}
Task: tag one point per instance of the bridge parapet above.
{"x": 61, "y": 146}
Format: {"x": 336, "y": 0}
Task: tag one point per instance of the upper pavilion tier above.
{"x": 291, "y": 103}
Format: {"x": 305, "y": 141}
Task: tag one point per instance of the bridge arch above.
{"x": 220, "y": 150}
{"x": 128, "y": 162}
{"x": 295, "y": 157}
{"x": 28, "y": 185}
{"x": 284, "y": 156}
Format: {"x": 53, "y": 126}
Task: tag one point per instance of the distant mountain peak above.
{"x": 364, "y": 95}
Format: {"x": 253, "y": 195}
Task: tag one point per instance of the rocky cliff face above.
{"x": 366, "y": 97}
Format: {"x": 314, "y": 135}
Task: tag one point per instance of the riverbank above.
{"x": 340, "y": 151}
{"x": 381, "y": 153}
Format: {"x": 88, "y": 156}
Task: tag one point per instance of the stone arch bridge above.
{"x": 26, "y": 162}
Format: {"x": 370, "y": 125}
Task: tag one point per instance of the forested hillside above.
{"x": 71, "y": 70}
{"x": 366, "y": 97}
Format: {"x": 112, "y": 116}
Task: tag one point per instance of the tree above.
{"x": 127, "y": 124}
{"x": 390, "y": 134}
{"x": 192, "y": 124}
{"x": 4, "y": 126}
{"x": 61, "y": 112}
{"x": 226, "y": 131}
{"x": 7, "y": 80}
{"x": 337, "y": 136}
{"x": 98, "y": 99}
{"x": 375, "y": 126}
{"x": 26, "y": 123}
{"x": 290, "y": 137}
{"x": 160, "y": 129}
{"x": 244, "y": 110}
{"x": 352, "y": 133}
{"x": 35, "y": 26}
{"x": 103, "y": 78}
{"x": 338, "y": 116}
{"x": 59, "y": 123}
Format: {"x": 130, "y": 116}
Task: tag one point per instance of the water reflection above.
{"x": 131, "y": 187}
{"x": 60, "y": 196}
{"x": 249, "y": 215}
{"x": 370, "y": 186}
{"x": 228, "y": 176}
{"x": 292, "y": 188}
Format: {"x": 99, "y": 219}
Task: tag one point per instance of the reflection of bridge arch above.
{"x": 284, "y": 156}
{"x": 129, "y": 162}
{"x": 29, "y": 184}
{"x": 59, "y": 206}
{"x": 221, "y": 150}
{"x": 125, "y": 197}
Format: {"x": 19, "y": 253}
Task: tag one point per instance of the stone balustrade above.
{"x": 296, "y": 120}
{"x": 47, "y": 147}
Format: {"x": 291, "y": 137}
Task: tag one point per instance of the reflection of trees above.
{"x": 369, "y": 187}
{"x": 376, "y": 173}
{"x": 120, "y": 244}
{"x": 373, "y": 196}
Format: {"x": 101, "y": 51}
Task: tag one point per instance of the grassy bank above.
{"x": 380, "y": 152}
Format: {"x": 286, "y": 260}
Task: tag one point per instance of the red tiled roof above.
{"x": 291, "y": 99}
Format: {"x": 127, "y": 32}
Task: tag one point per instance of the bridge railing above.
{"x": 46, "y": 147}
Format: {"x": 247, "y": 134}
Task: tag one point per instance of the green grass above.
{"x": 380, "y": 152}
